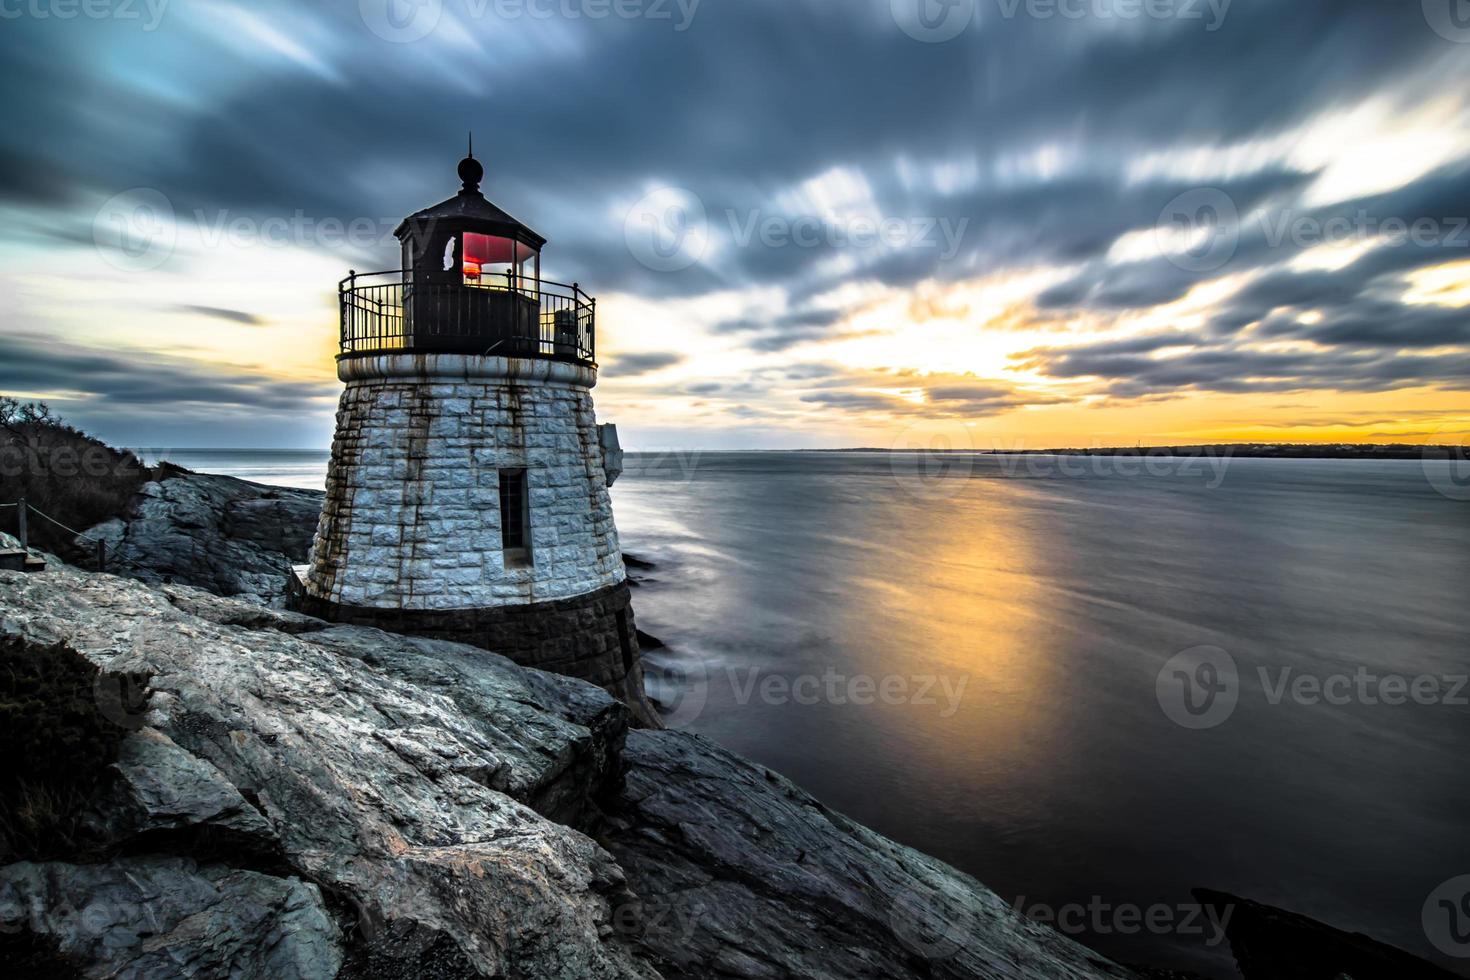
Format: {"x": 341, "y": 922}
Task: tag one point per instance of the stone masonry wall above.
{"x": 412, "y": 515}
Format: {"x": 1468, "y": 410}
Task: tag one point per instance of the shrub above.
{"x": 58, "y": 738}
{"x": 73, "y": 477}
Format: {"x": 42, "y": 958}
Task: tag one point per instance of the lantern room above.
{"x": 468, "y": 241}
{"x": 470, "y": 284}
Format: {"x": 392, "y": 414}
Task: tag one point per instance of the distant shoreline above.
{"x": 1398, "y": 451}
{"x": 1231, "y": 450}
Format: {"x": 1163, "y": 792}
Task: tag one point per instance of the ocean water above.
{"x": 1091, "y": 684}
{"x": 306, "y": 469}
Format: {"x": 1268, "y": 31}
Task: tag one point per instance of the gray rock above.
{"x": 741, "y": 874}
{"x": 148, "y": 918}
{"x": 225, "y": 535}
{"x": 162, "y": 788}
{"x": 553, "y": 743}
{"x": 475, "y": 817}
{"x": 235, "y": 612}
{"x": 380, "y": 787}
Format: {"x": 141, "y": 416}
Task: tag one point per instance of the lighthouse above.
{"x": 467, "y": 495}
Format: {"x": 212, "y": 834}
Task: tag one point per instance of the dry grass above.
{"x": 59, "y": 740}
{"x": 78, "y": 480}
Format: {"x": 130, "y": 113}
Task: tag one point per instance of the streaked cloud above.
{"x": 1041, "y": 226}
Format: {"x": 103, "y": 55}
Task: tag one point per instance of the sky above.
{"x": 988, "y": 224}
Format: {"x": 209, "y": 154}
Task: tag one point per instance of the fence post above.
{"x": 21, "y": 531}
{"x": 101, "y": 555}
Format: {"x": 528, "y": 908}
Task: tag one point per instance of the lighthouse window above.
{"x": 486, "y": 256}
{"x": 501, "y": 263}
{"x": 514, "y": 511}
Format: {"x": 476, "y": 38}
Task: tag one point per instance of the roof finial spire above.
{"x": 470, "y": 170}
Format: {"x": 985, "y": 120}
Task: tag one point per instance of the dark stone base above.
{"x": 592, "y": 636}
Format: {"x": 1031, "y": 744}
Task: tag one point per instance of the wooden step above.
{"x": 15, "y": 560}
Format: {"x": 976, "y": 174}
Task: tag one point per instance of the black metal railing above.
{"x": 502, "y": 314}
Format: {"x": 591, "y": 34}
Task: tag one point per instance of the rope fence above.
{"x": 103, "y": 559}
{"x": 24, "y": 507}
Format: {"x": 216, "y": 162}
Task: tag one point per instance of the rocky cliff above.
{"x": 298, "y": 800}
{"x": 228, "y": 536}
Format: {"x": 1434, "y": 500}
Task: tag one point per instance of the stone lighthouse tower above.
{"x": 467, "y": 497}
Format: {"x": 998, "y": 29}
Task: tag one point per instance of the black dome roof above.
{"x": 469, "y": 211}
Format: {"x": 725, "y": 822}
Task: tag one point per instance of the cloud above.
{"x": 937, "y": 396}
{"x": 646, "y": 362}
{"x": 98, "y": 381}
{"x": 219, "y": 313}
{"x": 1041, "y": 145}
{"x": 1235, "y": 368}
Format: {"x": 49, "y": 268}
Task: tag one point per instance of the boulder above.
{"x": 228, "y": 536}
{"x": 147, "y": 918}
{"x": 162, "y": 788}
{"x": 379, "y": 786}
{"x": 1276, "y": 944}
